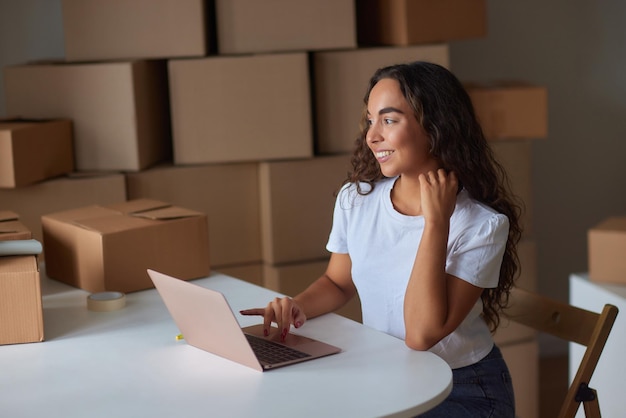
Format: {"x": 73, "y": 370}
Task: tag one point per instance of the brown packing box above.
{"x": 410, "y": 22}
{"x": 523, "y": 361}
{"x": 227, "y": 193}
{"x": 31, "y": 151}
{"x": 21, "y": 313}
{"x": 244, "y": 108}
{"x": 511, "y": 110}
{"x": 11, "y": 228}
{"x": 516, "y": 158}
{"x": 607, "y": 251}
{"x": 63, "y": 193}
{"x": 252, "y": 26}
{"x": 297, "y": 200}
{"x": 98, "y": 248}
{"x": 96, "y": 30}
{"x": 291, "y": 279}
{"x": 341, "y": 79}
{"x": 119, "y": 110}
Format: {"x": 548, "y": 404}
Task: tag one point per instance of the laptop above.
{"x": 207, "y": 322}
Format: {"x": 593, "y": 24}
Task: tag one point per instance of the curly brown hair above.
{"x": 445, "y": 111}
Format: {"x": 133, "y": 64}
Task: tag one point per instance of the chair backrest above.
{"x": 570, "y": 323}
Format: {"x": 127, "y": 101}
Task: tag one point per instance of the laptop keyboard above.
{"x": 271, "y": 352}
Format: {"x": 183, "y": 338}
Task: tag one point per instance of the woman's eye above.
{"x": 369, "y": 122}
{"x": 388, "y": 121}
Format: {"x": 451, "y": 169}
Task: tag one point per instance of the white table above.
{"x": 127, "y": 363}
{"x": 609, "y": 374}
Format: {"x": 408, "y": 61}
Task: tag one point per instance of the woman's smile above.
{"x": 383, "y": 156}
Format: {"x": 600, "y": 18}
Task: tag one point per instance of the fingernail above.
{"x": 266, "y": 332}
{"x": 284, "y": 334}
{"x": 298, "y": 324}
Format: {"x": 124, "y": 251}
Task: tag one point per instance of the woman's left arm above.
{"x": 435, "y": 302}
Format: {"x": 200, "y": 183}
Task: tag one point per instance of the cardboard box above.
{"x": 516, "y": 158}
{"x": 523, "y": 362}
{"x": 341, "y": 79}
{"x": 291, "y": 279}
{"x": 297, "y": 200}
{"x": 31, "y": 151}
{"x": 21, "y": 312}
{"x": 411, "y": 22}
{"x": 227, "y": 193}
{"x": 119, "y": 110}
{"x": 62, "y": 193}
{"x": 97, "y": 30}
{"x": 513, "y": 110}
{"x": 11, "y": 228}
{"x": 251, "y": 26}
{"x": 244, "y": 108}
{"x": 98, "y": 248}
{"x": 607, "y": 251}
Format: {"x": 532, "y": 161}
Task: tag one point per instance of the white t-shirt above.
{"x": 382, "y": 244}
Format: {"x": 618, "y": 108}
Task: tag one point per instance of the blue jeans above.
{"x": 482, "y": 389}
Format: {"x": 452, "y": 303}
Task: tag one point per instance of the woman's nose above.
{"x": 373, "y": 135}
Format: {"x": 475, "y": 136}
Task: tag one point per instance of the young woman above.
{"x": 425, "y": 230}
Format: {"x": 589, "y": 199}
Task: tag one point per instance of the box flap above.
{"x": 11, "y": 228}
{"x": 112, "y": 223}
{"x": 78, "y": 214}
{"x": 138, "y": 205}
{"x": 170, "y": 212}
{"x": 7, "y": 215}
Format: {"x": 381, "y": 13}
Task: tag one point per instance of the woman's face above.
{"x": 399, "y": 143}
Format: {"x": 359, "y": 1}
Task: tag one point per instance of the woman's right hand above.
{"x": 283, "y": 311}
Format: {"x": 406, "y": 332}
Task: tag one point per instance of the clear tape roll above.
{"x": 106, "y": 301}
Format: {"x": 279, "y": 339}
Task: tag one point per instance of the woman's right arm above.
{"x": 328, "y": 293}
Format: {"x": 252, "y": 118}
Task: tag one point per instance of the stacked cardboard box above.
{"x": 413, "y": 22}
{"x": 241, "y": 108}
{"x": 607, "y": 250}
{"x": 33, "y": 151}
{"x": 96, "y": 30}
{"x": 250, "y": 26}
{"x": 511, "y": 110}
{"x": 21, "y": 313}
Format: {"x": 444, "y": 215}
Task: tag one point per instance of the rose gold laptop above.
{"x": 207, "y": 322}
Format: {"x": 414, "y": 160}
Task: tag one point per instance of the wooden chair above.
{"x": 570, "y": 323}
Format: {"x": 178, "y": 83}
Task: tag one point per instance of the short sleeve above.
{"x": 476, "y": 256}
{"x": 337, "y": 240}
